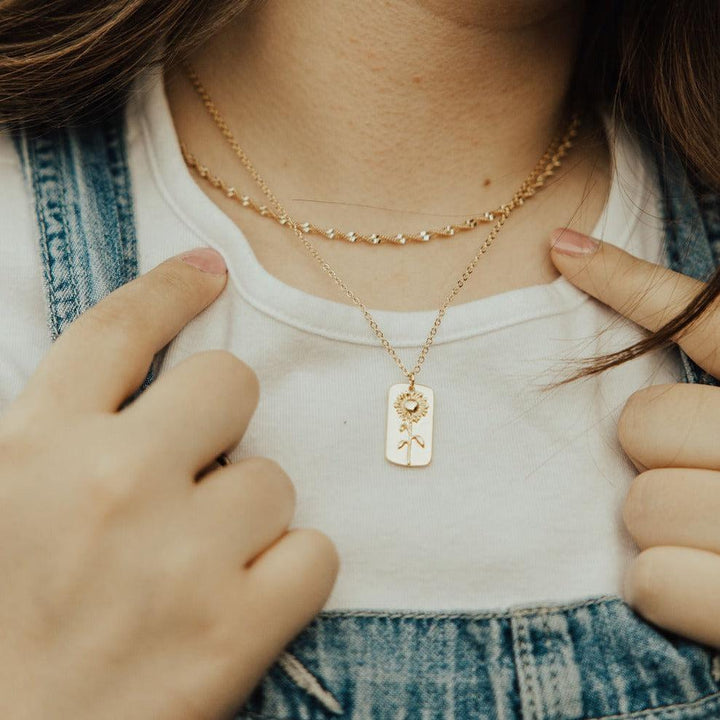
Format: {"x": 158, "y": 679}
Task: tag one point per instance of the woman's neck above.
{"x": 393, "y": 104}
{"x": 389, "y": 117}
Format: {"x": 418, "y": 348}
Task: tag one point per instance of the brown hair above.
{"x": 68, "y": 62}
{"x": 654, "y": 65}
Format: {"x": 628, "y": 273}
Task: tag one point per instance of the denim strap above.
{"x": 692, "y": 233}
{"x": 80, "y": 182}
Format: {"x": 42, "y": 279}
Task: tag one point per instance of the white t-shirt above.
{"x": 522, "y": 501}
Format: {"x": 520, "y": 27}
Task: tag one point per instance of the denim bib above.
{"x": 594, "y": 659}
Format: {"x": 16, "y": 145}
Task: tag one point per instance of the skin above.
{"x": 150, "y": 600}
{"x": 142, "y": 592}
{"x": 669, "y": 431}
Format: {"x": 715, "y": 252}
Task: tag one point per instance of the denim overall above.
{"x": 590, "y": 659}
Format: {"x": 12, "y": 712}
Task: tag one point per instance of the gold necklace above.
{"x": 332, "y": 233}
{"x": 410, "y": 406}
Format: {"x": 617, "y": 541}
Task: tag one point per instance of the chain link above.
{"x": 544, "y": 169}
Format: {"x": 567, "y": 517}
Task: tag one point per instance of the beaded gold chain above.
{"x": 447, "y": 231}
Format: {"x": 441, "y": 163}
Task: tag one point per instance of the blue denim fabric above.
{"x": 84, "y": 210}
{"x": 587, "y": 660}
{"x": 591, "y": 659}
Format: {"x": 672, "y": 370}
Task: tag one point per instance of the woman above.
{"x": 484, "y": 581}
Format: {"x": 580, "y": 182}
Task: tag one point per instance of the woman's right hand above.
{"x": 129, "y": 589}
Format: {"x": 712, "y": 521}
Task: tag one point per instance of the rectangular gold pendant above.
{"x": 409, "y": 425}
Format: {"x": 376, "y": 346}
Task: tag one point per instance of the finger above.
{"x": 291, "y": 581}
{"x": 282, "y": 591}
{"x": 675, "y": 506}
{"x": 678, "y": 589}
{"x": 198, "y": 409}
{"x": 672, "y": 425}
{"x": 104, "y": 355}
{"x": 245, "y": 507}
{"x": 648, "y": 294}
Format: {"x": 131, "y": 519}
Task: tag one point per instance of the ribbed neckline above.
{"x": 337, "y": 320}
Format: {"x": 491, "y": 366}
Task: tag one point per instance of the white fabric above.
{"x": 522, "y": 501}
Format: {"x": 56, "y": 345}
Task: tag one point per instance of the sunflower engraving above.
{"x": 411, "y": 406}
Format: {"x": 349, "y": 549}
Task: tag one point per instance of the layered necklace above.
{"x": 410, "y": 406}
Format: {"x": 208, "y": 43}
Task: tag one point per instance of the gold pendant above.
{"x": 409, "y": 425}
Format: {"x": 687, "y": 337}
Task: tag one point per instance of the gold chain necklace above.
{"x": 332, "y": 233}
{"x": 410, "y": 406}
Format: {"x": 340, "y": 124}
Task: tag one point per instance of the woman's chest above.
{"x": 521, "y": 501}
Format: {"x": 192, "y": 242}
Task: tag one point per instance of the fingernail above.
{"x": 205, "y": 259}
{"x": 569, "y": 242}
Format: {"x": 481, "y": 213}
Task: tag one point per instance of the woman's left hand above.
{"x": 672, "y": 435}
